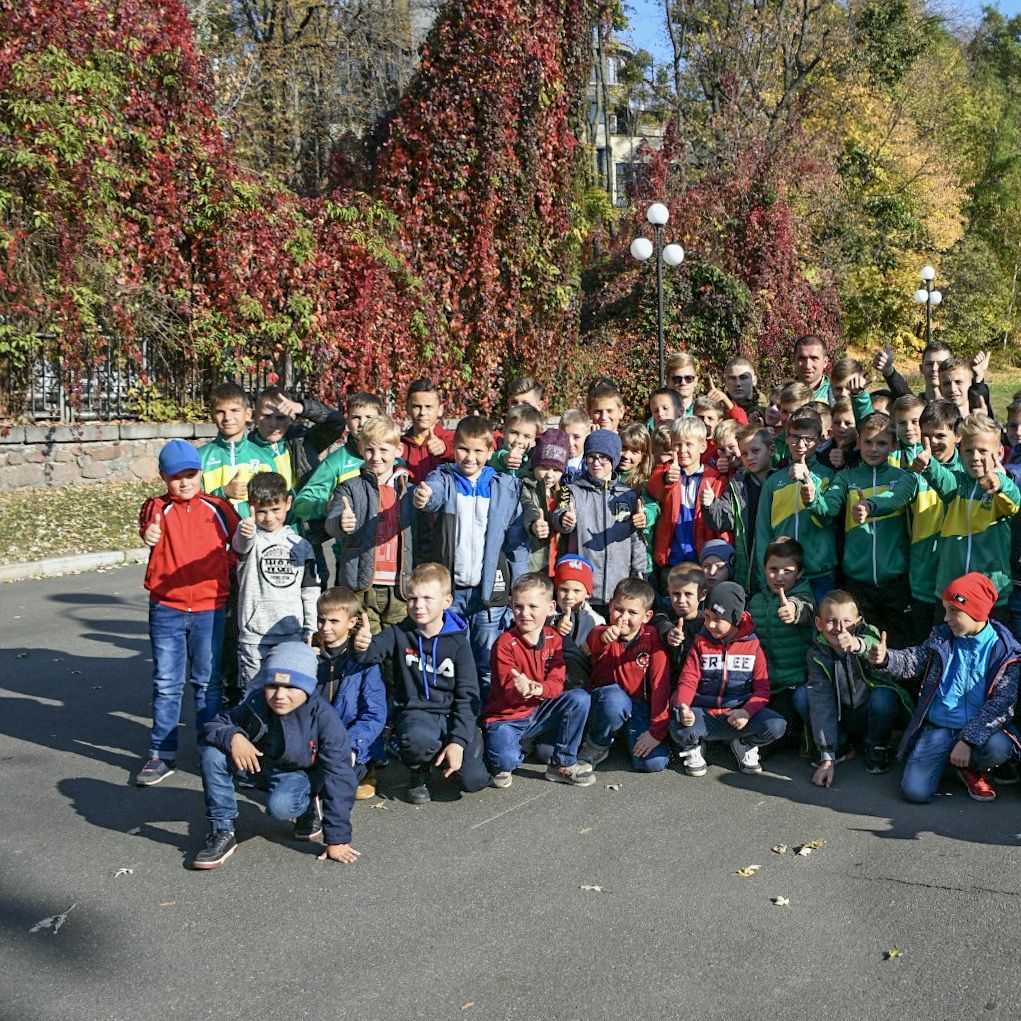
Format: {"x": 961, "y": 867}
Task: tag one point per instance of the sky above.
{"x": 647, "y": 33}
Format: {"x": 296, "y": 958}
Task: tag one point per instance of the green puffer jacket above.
{"x": 786, "y": 645}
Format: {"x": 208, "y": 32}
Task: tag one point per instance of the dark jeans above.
{"x": 886, "y": 606}
{"x": 874, "y": 719}
{"x": 485, "y": 625}
{"x": 762, "y": 729}
{"x": 420, "y": 736}
{"x": 612, "y": 709}
{"x": 931, "y": 753}
{"x": 562, "y": 718}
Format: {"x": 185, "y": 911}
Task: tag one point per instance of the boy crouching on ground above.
{"x": 285, "y": 729}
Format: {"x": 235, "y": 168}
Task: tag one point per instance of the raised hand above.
{"x": 515, "y": 455}
{"x": 435, "y": 445}
{"x": 772, "y": 416}
{"x": 808, "y": 492}
{"x": 153, "y": 531}
{"x": 236, "y": 489}
{"x": 990, "y": 482}
{"x": 882, "y": 360}
{"x": 363, "y": 636}
{"x": 856, "y": 383}
{"x": 247, "y": 527}
{"x": 423, "y": 494}
{"x": 723, "y": 464}
{"x": 566, "y": 623}
{"x": 798, "y": 471}
{"x": 639, "y": 519}
{"x": 718, "y": 395}
{"x": 786, "y": 611}
{"x": 708, "y": 496}
{"x": 541, "y": 529}
{"x": 860, "y": 509}
{"x": 611, "y": 634}
{"x": 848, "y": 642}
{"x": 570, "y": 518}
{"x": 348, "y": 523}
{"x": 687, "y": 716}
{"x": 292, "y": 409}
{"x": 674, "y": 471}
{"x": 980, "y": 364}
{"x": 837, "y": 457}
{"x": 877, "y": 654}
{"x": 923, "y": 458}
{"x": 675, "y": 637}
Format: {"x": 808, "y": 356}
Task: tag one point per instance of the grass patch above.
{"x": 39, "y": 523}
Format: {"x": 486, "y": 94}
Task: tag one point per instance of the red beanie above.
{"x": 574, "y": 568}
{"x": 975, "y": 594}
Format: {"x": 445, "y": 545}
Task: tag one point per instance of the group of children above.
{"x": 807, "y": 569}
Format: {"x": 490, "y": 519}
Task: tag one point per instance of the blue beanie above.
{"x": 291, "y": 663}
{"x": 604, "y": 442}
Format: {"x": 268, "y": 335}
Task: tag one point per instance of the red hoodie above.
{"x": 542, "y": 663}
{"x": 419, "y": 459}
{"x": 640, "y": 667}
{"x": 189, "y": 568}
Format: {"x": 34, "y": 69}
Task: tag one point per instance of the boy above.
{"x": 723, "y": 689}
{"x": 783, "y": 511}
{"x": 709, "y": 411}
{"x": 577, "y": 425}
{"x": 792, "y": 398}
{"x": 595, "y": 514}
{"x": 630, "y": 682}
{"x": 876, "y": 549}
{"x": 844, "y": 369}
{"x": 682, "y": 375}
{"x": 188, "y": 578}
{"x": 717, "y": 562}
{"x": 664, "y": 407}
{"x": 572, "y": 579}
{"x": 783, "y": 612}
{"x": 372, "y": 516}
{"x": 843, "y": 696}
{"x": 521, "y": 428}
{"x": 287, "y": 730}
{"x": 734, "y": 511}
{"x": 525, "y": 390}
{"x": 527, "y": 700}
{"x": 478, "y": 534}
{"x": 547, "y": 462}
{"x": 605, "y": 406}
{"x": 968, "y": 669}
{"x": 436, "y": 688}
{"x": 426, "y": 444}
{"x": 841, "y": 450}
{"x": 739, "y": 380}
{"x": 679, "y": 626}
{"x": 277, "y": 581}
{"x": 357, "y": 692}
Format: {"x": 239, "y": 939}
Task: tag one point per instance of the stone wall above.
{"x": 32, "y": 457}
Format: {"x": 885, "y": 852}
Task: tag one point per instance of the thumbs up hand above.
{"x": 707, "y": 497}
{"x": 675, "y": 638}
{"x": 363, "y": 636}
{"x": 687, "y": 717}
{"x": 798, "y": 471}
{"x": 423, "y": 494}
{"x": 570, "y": 518}
{"x": 522, "y": 684}
{"x": 566, "y": 623}
{"x": 836, "y": 458}
{"x": 882, "y": 360}
{"x": 540, "y": 529}
{"x": 674, "y": 472}
{"x": 860, "y": 509}
{"x": 848, "y": 642}
{"x": 639, "y": 519}
{"x": 154, "y": 531}
{"x": 877, "y": 654}
{"x": 435, "y": 445}
{"x": 786, "y": 611}
{"x": 717, "y": 395}
{"x": 247, "y": 527}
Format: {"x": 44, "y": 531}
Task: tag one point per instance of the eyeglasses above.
{"x": 683, "y": 379}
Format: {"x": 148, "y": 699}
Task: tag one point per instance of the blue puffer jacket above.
{"x": 358, "y": 694}
{"x": 929, "y": 660}
{"x": 313, "y": 736}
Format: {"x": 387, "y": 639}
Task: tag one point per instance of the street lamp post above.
{"x": 929, "y": 297}
{"x": 673, "y": 255}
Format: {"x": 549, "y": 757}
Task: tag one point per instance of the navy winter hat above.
{"x": 552, "y": 450}
{"x": 179, "y": 456}
{"x": 718, "y": 548}
{"x": 604, "y": 442}
{"x": 727, "y": 600}
{"x": 292, "y": 663}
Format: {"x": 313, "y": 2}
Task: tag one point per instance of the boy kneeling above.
{"x": 293, "y": 734}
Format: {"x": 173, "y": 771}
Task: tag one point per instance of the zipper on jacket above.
{"x": 971, "y": 507}
{"x": 875, "y": 578}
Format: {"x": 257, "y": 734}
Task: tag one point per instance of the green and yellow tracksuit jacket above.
{"x": 222, "y": 459}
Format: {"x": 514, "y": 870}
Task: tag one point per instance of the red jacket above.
{"x": 189, "y": 568}
{"x": 640, "y": 667}
{"x": 542, "y": 663}
{"x": 418, "y": 457}
{"x": 669, "y": 499}
{"x": 721, "y": 676}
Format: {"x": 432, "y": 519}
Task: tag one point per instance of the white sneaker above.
{"x": 747, "y": 757}
{"x": 502, "y": 779}
{"x": 694, "y": 762}
{"x": 593, "y": 753}
{"x": 579, "y": 774}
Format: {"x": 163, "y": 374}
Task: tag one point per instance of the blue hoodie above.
{"x": 434, "y": 675}
{"x": 359, "y": 696}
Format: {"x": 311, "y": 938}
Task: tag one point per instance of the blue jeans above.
{"x": 1014, "y": 609}
{"x": 931, "y": 753}
{"x": 184, "y": 645}
{"x": 822, "y": 585}
{"x": 612, "y": 708}
{"x": 562, "y": 719}
{"x": 485, "y": 625}
{"x": 763, "y": 728}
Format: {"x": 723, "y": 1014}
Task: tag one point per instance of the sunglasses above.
{"x": 683, "y": 379}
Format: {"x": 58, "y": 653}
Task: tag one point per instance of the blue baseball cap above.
{"x": 179, "y": 456}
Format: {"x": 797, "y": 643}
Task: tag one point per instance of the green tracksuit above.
{"x": 223, "y": 459}
{"x": 313, "y": 499}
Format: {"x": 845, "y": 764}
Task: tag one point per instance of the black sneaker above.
{"x": 153, "y": 772}
{"x": 878, "y": 759}
{"x": 418, "y": 787}
{"x": 1006, "y": 774}
{"x": 220, "y": 845}
{"x": 309, "y": 825}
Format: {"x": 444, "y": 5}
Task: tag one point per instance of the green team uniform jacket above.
{"x": 313, "y": 499}
{"x": 785, "y": 645}
{"x": 222, "y": 458}
{"x": 878, "y": 550}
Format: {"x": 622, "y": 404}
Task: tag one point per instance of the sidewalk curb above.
{"x": 57, "y": 566}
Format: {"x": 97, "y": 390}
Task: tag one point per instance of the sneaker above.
{"x": 502, "y": 779}
{"x": 747, "y": 757}
{"x": 309, "y": 825}
{"x": 979, "y": 787}
{"x": 878, "y": 759}
{"x": 219, "y": 846}
{"x": 418, "y": 787}
{"x": 593, "y": 753}
{"x": 153, "y": 772}
{"x": 1007, "y": 774}
{"x": 694, "y": 762}
{"x": 367, "y": 788}
{"x": 578, "y": 775}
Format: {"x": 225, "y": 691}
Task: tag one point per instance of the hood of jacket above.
{"x": 745, "y": 629}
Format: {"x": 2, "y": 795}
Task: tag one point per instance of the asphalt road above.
{"x": 470, "y": 907}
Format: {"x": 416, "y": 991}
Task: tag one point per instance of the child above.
{"x": 844, "y": 369}
{"x": 548, "y": 461}
{"x": 783, "y": 612}
{"x": 277, "y": 581}
{"x": 723, "y": 688}
{"x": 525, "y": 390}
{"x": 679, "y": 626}
{"x": 635, "y": 469}
{"x": 426, "y": 444}
{"x": 734, "y": 511}
{"x": 188, "y": 578}
{"x": 597, "y": 515}
{"x": 968, "y": 669}
{"x": 229, "y": 461}
{"x": 664, "y": 406}
{"x": 682, "y": 375}
{"x": 843, "y": 697}
{"x": 527, "y": 700}
{"x": 357, "y": 692}
{"x": 783, "y": 511}
{"x": 726, "y": 450}
{"x": 792, "y": 398}
{"x": 605, "y": 406}
{"x": 630, "y": 682}
{"x": 436, "y": 688}
{"x": 717, "y": 563}
{"x": 709, "y": 411}
{"x": 906, "y": 412}
{"x": 1012, "y": 463}
{"x": 372, "y": 516}
{"x": 678, "y": 487}
{"x": 577, "y": 425}
{"x": 287, "y": 730}
{"x": 521, "y": 428}
{"x": 572, "y": 579}
{"x": 842, "y": 450}
{"x": 478, "y": 534}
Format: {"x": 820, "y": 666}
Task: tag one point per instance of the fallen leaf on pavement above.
{"x": 781, "y": 902}
{"x": 54, "y": 922}
{"x": 613, "y": 786}
{"x": 378, "y": 804}
{"x": 465, "y": 1006}
{"x": 123, "y": 872}
{"x": 167, "y": 903}
{"x": 592, "y": 889}
{"x": 889, "y": 955}
{"x": 806, "y": 849}
{"x": 780, "y": 849}
{"x": 749, "y": 870}
{"x": 588, "y": 829}
{"x": 136, "y": 830}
